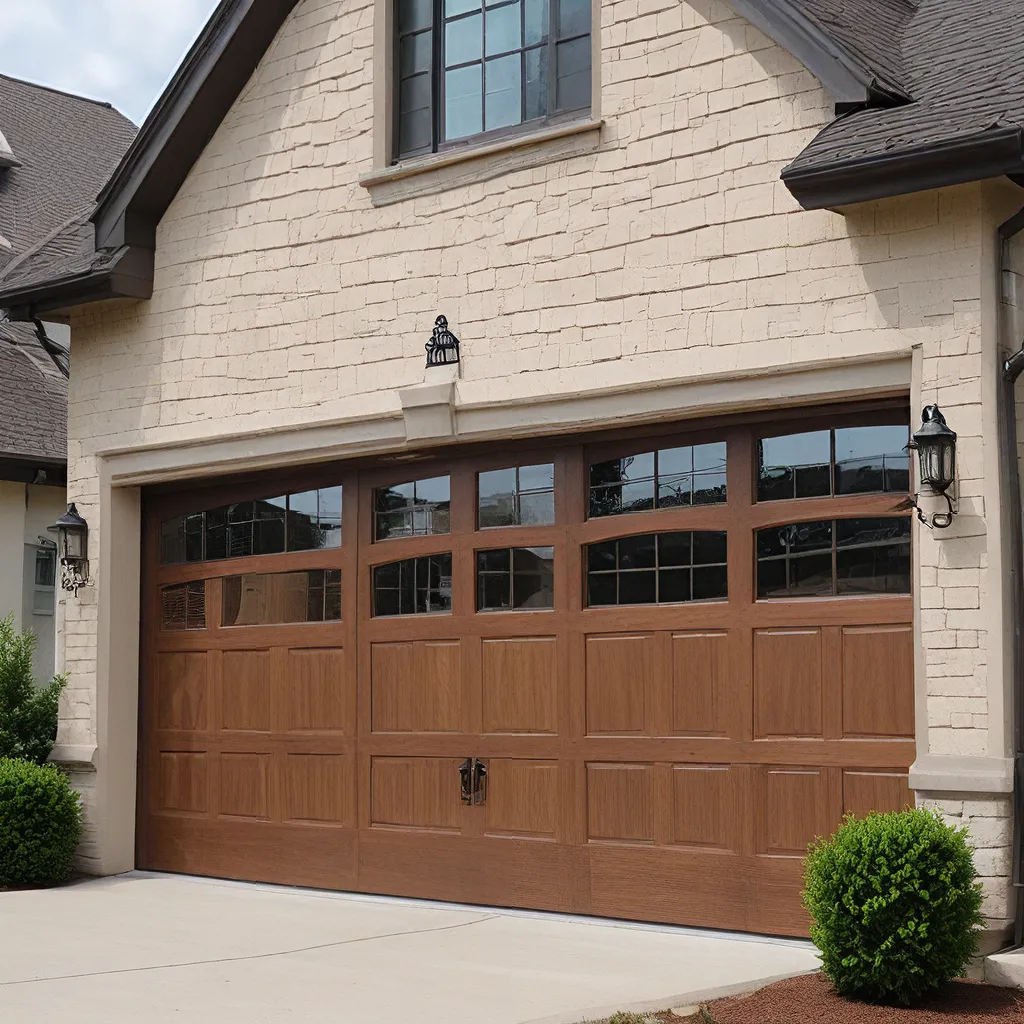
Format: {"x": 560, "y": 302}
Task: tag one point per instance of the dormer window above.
{"x": 7, "y": 157}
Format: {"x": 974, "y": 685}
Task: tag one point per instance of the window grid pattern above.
{"x": 301, "y": 521}
{"x": 488, "y": 67}
{"x": 667, "y": 478}
{"x": 418, "y": 508}
{"x": 830, "y": 558}
{"x": 662, "y": 568}
{"x": 518, "y": 496}
{"x": 833, "y": 463}
{"x": 413, "y": 586}
{"x": 515, "y": 579}
{"x": 183, "y": 606}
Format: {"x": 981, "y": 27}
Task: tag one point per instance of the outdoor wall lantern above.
{"x": 935, "y": 445}
{"x": 73, "y": 549}
{"x": 443, "y": 347}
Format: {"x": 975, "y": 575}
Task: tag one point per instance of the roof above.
{"x": 57, "y": 152}
{"x": 928, "y": 93}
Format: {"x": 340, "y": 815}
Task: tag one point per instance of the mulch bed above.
{"x": 811, "y": 998}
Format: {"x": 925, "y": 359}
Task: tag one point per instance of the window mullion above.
{"x": 553, "y": 11}
{"x": 437, "y": 76}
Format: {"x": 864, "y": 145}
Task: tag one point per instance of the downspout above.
{"x": 1012, "y": 368}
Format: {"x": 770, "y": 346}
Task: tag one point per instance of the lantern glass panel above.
{"x": 73, "y": 544}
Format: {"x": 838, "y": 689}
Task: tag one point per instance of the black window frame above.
{"x": 436, "y": 72}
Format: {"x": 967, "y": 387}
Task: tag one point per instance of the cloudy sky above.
{"x": 122, "y": 51}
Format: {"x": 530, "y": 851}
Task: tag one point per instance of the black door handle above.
{"x": 479, "y": 781}
{"x": 466, "y": 781}
{"x": 473, "y": 781}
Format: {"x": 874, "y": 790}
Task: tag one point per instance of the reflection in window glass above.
{"x": 183, "y": 606}
{"x": 305, "y": 521}
{"x": 414, "y": 586}
{"x": 826, "y": 558}
{"x": 418, "y": 508}
{"x": 667, "y": 478}
{"x": 519, "y": 496}
{"x": 661, "y": 568}
{"x": 821, "y": 463}
{"x": 511, "y": 578}
{"x": 268, "y": 598}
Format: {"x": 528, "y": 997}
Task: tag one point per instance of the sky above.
{"x": 121, "y": 51}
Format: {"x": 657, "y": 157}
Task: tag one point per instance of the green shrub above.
{"x": 895, "y": 905}
{"x": 40, "y": 824}
{"x": 28, "y": 713}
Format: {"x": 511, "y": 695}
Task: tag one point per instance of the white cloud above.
{"x": 122, "y": 51}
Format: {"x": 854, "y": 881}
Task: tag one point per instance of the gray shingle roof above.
{"x": 65, "y": 148}
{"x": 961, "y": 62}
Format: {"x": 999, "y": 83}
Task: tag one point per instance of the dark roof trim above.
{"x": 128, "y": 276}
{"x": 987, "y": 154}
{"x": 184, "y": 119}
{"x": 849, "y": 80}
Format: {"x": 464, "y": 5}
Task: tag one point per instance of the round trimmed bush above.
{"x": 40, "y": 824}
{"x": 895, "y": 905}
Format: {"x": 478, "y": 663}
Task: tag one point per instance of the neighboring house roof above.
{"x": 928, "y": 93}
{"x": 56, "y": 153}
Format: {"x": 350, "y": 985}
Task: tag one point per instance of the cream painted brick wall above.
{"x": 283, "y": 296}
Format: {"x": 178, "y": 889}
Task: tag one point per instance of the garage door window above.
{"x": 267, "y": 598}
{"x": 419, "y": 508}
{"x": 515, "y": 578}
{"x": 518, "y": 496}
{"x": 667, "y": 478}
{"x": 834, "y": 558}
{"x": 822, "y": 463}
{"x": 303, "y": 521}
{"x": 414, "y": 586}
{"x": 183, "y": 606}
{"x": 658, "y": 568}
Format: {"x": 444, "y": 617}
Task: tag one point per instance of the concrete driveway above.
{"x": 161, "y": 948}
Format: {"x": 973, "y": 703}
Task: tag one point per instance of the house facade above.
{"x": 619, "y": 611}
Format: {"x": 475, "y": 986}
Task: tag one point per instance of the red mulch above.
{"x": 811, "y": 998}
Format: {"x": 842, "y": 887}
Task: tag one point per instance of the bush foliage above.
{"x": 40, "y": 824}
{"x": 28, "y": 713}
{"x": 895, "y": 905}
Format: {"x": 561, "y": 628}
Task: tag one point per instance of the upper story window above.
{"x": 470, "y": 68}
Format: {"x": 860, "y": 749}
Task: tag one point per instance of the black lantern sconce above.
{"x": 443, "y": 347}
{"x": 73, "y": 550}
{"x": 935, "y": 445}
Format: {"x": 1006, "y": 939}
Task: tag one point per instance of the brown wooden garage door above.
{"x": 629, "y": 675}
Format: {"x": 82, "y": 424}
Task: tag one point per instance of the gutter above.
{"x": 988, "y": 154}
{"x": 1012, "y": 368}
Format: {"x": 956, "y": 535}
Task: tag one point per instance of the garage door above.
{"x": 629, "y": 675}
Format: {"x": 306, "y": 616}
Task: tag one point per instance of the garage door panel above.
{"x": 796, "y": 806}
{"x": 705, "y": 806}
{"x": 878, "y": 674}
{"x": 246, "y": 698}
{"x": 519, "y": 685}
{"x": 315, "y": 683}
{"x": 415, "y": 792}
{"x": 867, "y": 791}
{"x": 244, "y": 785}
{"x": 701, "y": 679}
{"x": 416, "y": 687}
{"x": 619, "y": 674}
{"x": 620, "y": 803}
{"x": 318, "y": 789}
{"x": 183, "y": 781}
{"x": 522, "y": 798}
{"x": 182, "y": 689}
{"x": 787, "y": 682}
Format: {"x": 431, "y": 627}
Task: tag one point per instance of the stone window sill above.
{"x": 440, "y": 171}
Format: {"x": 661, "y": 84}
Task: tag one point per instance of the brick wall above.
{"x": 283, "y": 296}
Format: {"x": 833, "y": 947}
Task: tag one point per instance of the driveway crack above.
{"x": 252, "y": 956}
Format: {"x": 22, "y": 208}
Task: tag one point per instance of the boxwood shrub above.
{"x": 40, "y": 824}
{"x": 895, "y": 905}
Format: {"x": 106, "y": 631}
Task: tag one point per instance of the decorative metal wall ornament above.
{"x": 443, "y": 347}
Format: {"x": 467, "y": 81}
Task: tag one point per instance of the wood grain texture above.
{"x": 616, "y": 684}
{"x": 878, "y": 680}
{"x": 246, "y": 702}
{"x": 700, "y": 680}
{"x": 519, "y": 685}
{"x": 317, "y": 788}
{"x": 864, "y": 792}
{"x": 522, "y": 798}
{"x": 244, "y": 785}
{"x": 787, "y": 682}
{"x": 620, "y": 802}
{"x": 702, "y": 803}
{"x": 313, "y": 698}
{"x": 416, "y": 687}
{"x": 182, "y": 690}
{"x": 794, "y": 810}
{"x": 415, "y": 792}
{"x": 183, "y": 781}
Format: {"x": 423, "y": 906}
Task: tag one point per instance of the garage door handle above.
{"x": 466, "y": 781}
{"x": 479, "y": 781}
